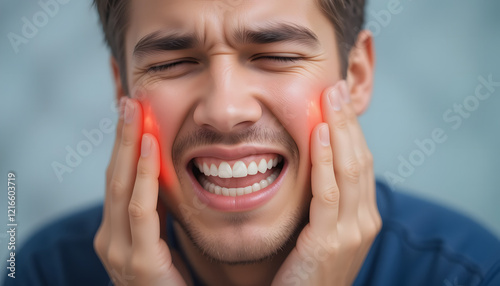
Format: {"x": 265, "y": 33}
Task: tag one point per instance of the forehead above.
{"x": 215, "y": 20}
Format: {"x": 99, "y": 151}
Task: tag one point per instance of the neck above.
{"x": 215, "y": 273}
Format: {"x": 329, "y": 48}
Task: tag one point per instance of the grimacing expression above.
{"x": 231, "y": 89}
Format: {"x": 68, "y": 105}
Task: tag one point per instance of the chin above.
{"x": 240, "y": 241}
{"x": 245, "y": 236}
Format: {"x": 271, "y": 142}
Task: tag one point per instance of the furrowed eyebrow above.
{"x": 268, "y": 34}
{"x": 158, "y": 41}
{"x": 277, "y": 32}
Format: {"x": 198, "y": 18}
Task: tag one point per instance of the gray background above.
{"x": 429, "y": 57}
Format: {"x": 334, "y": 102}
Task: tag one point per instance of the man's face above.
{"x": 232, "y": 82}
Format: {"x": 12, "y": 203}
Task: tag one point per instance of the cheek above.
{"x": 297, "y": 106}
{"x": 163, "y": 113}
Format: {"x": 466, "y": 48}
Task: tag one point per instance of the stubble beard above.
{"x": 262, "y": 247}
{"x": 280, "y": 239}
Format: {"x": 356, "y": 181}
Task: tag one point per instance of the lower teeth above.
{"x": 233, "y": 192}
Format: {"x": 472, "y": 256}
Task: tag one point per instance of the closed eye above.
{"x": 280, "y": 59}
{"x": 168, "y": 66}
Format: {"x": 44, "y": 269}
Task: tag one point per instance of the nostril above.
{"x": 244, "y": 125}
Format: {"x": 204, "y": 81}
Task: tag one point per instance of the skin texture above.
{"x": 228, "y": 87}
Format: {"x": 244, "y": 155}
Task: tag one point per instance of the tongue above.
{"x": 239, "y": 182}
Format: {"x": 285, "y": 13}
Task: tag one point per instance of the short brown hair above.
{"x": 347, "y": 16}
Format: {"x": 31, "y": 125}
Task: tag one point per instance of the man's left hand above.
{"x": 344, "y": 218}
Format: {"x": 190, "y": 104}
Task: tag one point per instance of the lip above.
{"x": 230, "y": 153}
{"x": 239, "y": 203}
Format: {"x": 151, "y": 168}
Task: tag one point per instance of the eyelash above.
{"x": 164, "y": 67}
{"x": 281, "y": 59}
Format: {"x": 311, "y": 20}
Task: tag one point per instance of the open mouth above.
{"x": 232, "y": 178}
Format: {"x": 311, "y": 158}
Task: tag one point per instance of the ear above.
{"x": 120, "y": 91}
{"x": 360, "y": 71}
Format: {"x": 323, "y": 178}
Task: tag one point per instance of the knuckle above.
{"x": 142, "y": 172}
{"x": 364, "y": 158}
{"x": 307, "y": 237}
{"x": 99, "y": 243}
{"x": 331, "y": 196}
{"x": 362, "y": 163}
{"x": 341, "y": 124}
{"x": 371, "y": 233}
{"x": 352, "y": 171}
{"x": 326, "y": 160}
{"x": 127, "y": 140}
{"x": 332, "y": 244}
{"x": 135, "y": 209}
{"x": 355, "y": 240}
{"x": 304, "y": 248}
{"x": 117, "y": 188}
{"x": 114, "y": 258}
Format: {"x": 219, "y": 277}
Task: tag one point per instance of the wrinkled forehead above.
{"x": 216, "y": 21}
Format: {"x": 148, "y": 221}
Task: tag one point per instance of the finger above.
{"x": 347, "y": 169}
{"x": 144, "y": 219}
{"x": 111, "y": 165}
{"x": 123, "y": 177}
{"x": 147, "y": 246}
{"x": 101, "y": 240}
{"x": 363, "y": 156}
{"x": 325, "y": 200}
{"x": 365, "y": 159}
{"x": 368, "y": 211}
{"x": 365, "y": 186}
{"x": 119, "y": 127}
{"x": 367, "y": 201}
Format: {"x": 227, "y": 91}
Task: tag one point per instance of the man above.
{"x": 239, "y": 161}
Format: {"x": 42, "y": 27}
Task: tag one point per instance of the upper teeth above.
{"x": 239, "y": 169}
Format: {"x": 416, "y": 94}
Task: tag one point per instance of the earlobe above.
{"x": 120, "y": 91}
{"x": 360, "y": 71}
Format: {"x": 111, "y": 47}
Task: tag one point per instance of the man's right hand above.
{"x": 128, "y": 241}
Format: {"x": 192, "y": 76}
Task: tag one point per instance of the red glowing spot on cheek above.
{"x": 314, "y": 114}
{"x": 150, "y": 125}
{"x": 149, "y": 121}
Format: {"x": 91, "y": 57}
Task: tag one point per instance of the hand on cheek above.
{"x": 151, "y": 126}
{"x": 128, "y": 241}
{"x": 344, "y": 218}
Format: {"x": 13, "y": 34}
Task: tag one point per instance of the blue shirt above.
{"x": 420, "y": 243}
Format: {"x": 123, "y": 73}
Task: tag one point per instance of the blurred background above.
{"x": 55, "y": 86}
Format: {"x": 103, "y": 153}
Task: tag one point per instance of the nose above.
{"x": 228, "y": 104}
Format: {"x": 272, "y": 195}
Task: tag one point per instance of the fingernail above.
{"x": 121, "y": 106}
{"x": 334, "y": 97}
{"x": 145, "y": 146}
{"x": 129, "y": 111}
{"x": 324, "y": 135}
{"x": 345, "y": 92}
